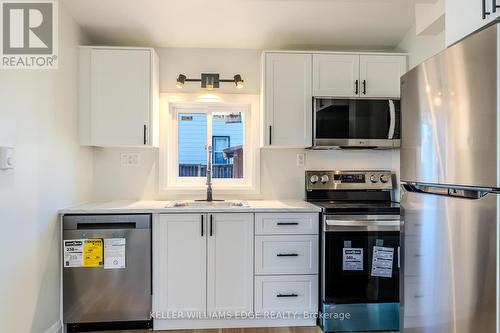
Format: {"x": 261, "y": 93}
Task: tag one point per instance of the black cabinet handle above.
{"x": 202, "y": 227}
{"x": 287, "y": 295}
{"x": 357, "y": 87}
{"x": 364, "y": 87}
{"x": 287, "y": 255}
{"x": 145, "y": 134}
{"x": 494, "y": 6}
{"x": 211, "y": 226}
{"x": 270, "y": 135}
{"x": 287, "y": 223}
{"x": 486, "y": 13}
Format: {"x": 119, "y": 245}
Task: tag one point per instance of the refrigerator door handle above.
{"x": 448, "y": 191}
{"x": 392, "y": 117}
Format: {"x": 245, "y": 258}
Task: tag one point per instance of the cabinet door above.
{"x": 120, "y": 85}
{"x": 288, "y": 99}
{"x": 179, "y": 254}
{"x": 336, "y": 75}
{"x": 463, "y": 17}
{"x": 380, "y": 75}
{"x": 230, "y": 262}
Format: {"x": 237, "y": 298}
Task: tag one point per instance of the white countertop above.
{"x": 150, "y": 207}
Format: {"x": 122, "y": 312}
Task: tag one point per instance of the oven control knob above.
{"x": 314, "y": 179}
{"x": 373, "y": 179}
{"x": 384, "y": 178}
{"x": 324, "y": 179}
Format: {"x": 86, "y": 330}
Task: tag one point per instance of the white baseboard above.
{"x": 182, "y": 324}
{"x": 56, "y": 328}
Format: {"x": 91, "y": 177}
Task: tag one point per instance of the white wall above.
{"x": 421, "y": 47}
{"x": 281, "y": 178}
{"x": 38, "y": 116}
{"x": 193, "y": 62}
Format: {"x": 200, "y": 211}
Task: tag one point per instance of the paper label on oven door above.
{"x": 382, "y": 261}
{"x": 352, "y": 259}
{"x": 73, "y": 252}
{"x": 114, "y": 253}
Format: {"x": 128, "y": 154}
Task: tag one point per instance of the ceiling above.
{"x": 250, "y": 24}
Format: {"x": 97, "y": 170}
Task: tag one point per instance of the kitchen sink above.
{"x": 207, "y": 204}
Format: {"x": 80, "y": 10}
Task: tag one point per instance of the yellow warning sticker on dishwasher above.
{"x": 93, "y": 252}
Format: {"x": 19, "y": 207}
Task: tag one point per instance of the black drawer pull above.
{"x": 287, "y": 223}
{"x": 287, "y": 295}
{"x": 287, "y": 255}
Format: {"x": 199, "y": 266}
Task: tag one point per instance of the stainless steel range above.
{"x": 359, "y": 249}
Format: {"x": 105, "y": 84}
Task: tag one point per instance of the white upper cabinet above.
{"x": 288, "y": 99}
{"x": 336, "y": 75}
{"x": 118, "y": 96}
{"x": 380, "y": 75}
{"x": 230, "y": 262}
{"x": 463, "y": 17}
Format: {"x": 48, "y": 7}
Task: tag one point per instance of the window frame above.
{"x": 169, "y": 167}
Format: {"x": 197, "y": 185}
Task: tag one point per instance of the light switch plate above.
{"x": 6, "y": 158}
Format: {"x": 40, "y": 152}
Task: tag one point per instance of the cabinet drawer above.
{"x": 286, "y": 293}
{"x": 291, "y": 223}
{"x": 286, "y": 254}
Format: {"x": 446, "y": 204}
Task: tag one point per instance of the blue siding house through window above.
{"x": 192, "y": 129}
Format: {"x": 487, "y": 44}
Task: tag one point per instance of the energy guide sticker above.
{"x": 352, "y": 259}
{"x": 83, "y": 253}
{"x": 73, "y": 253}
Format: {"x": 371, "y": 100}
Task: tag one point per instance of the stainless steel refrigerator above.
{"x": 451, "y": 186}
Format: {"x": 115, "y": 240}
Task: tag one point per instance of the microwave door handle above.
{"x": 392, "y": 118}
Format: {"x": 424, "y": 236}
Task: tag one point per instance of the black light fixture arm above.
{"x": 210, "y": 81}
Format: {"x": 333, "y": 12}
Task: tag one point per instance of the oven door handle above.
{"x": 392, "y": 118}
{"x": 361, "y": 225}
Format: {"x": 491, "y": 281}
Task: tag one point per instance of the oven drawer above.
{"x": 291, "y": 254}
{"x": 289, "y": 223}
{"x": 286, "y": 293}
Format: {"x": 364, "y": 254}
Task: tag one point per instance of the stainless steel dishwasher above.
{"x": 116, "y": 288}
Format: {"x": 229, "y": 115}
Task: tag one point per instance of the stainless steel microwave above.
{"x": 356, "y": 123}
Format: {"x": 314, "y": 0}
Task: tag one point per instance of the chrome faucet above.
{"x": 209, "y": 174}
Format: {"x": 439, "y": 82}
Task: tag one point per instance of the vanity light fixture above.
{"x": 180, "y": 81}
{"x": 238, "y": 81}
{"x": 209, "y": 81}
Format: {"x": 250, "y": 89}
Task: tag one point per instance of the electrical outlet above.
{"x": 131, "y": 159}
{"x": 6, "y": 158}
{"x": 134, "y": 159}
{"x": 124, "y": 159}
{"x": 301, "y": 159}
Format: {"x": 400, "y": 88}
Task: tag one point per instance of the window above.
{"x": 223, "y": 132}
{"x": 229, "y": 126}
{"x": 219, "y": 143}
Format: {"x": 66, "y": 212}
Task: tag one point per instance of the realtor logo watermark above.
{"x": 28, "y": 34}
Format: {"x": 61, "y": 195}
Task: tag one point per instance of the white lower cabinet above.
{"x": 203, "y": 270}
{"x": 203, "y": 263}
{"x": 230, "y": 263}
{"x": 286, "y": 263}
{"x": 179, "y": 264}
{"x": 296, "y": 293}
